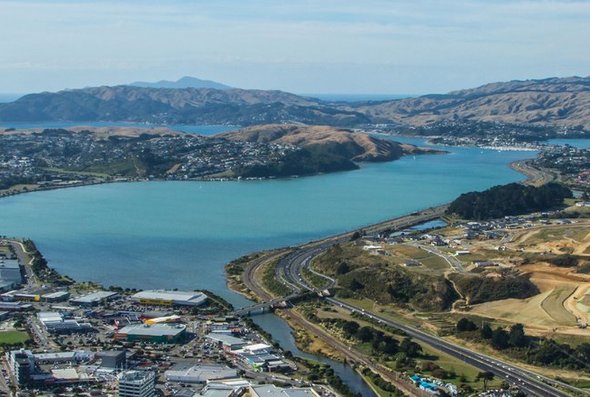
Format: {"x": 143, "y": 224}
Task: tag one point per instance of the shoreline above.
{"x": 534, "y": 176}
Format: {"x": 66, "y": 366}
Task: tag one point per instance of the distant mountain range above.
{"x": 184, "y": 82}
{"x": 560, "y": 102}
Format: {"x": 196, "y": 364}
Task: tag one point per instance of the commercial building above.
{"x": 201, "y": 373}
{"x": 113, "y": 359}
{"x": 55, "y": 323}
{"x": 157, "y": 333}
{"x": 57, "y": 296}
{"x": 93, "y": 298}
{"x": 15, "y": 306}
{"x": 72, "y": 357}
{"x": 169, "y": 298}
{"x": 10, "y": 274}
{"x": 22, "y": 365}
{"x": 274, "y": 391}
{"x": 137, "y": 384}
{"x": 227, "y": 342}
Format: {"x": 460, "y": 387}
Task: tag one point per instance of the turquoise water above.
{"x": 180, "y": 234}
{"x": 192, "y": 129}
{"x": 579, "y": 143}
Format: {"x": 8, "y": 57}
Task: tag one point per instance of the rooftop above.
{"x": 153, "y": 330}
{"x": 179, "y": 297}
{"x": 201, "y": 373}
{"x": 9, "y": 264}
{"x": 273, "y": 391}
{"x": 226, "y": 339}
{"x": 135, "y": 376}
{"x": 94, "y": 297}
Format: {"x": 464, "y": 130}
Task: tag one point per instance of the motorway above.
{"x": 289, "y": 271}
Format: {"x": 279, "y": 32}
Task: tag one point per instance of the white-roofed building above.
{"x": 94, "y": 298}
{"x": 274, "y": 391}
{"x": 170, "y": 297}
{"x": 200, "y": 373}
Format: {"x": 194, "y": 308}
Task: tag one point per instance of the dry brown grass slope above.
{"x": 563, "y": 102}
{"x": 356, "y": 146}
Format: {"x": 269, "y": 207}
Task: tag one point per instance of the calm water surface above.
{"x": 579, "y": 143}
{"x": 180, "y": 234}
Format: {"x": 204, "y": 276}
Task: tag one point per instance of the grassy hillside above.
{"x": 369, "y": 276}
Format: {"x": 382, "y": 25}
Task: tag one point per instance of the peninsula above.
{"x": 53, "y": 158}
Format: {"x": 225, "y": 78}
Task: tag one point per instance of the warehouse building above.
{"x": 201, "y": 373}
{"x": 157, "y": 333}
{"x": 169, "y": 298}
{"x": 93, "y": 298}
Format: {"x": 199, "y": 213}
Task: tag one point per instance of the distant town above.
{"x": 59, "y": 158}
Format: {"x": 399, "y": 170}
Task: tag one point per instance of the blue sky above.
{"x": 303, "y": 46}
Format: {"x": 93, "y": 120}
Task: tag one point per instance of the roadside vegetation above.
{"x": 515, "y": 343}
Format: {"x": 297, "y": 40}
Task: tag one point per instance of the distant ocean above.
{"x": 357, "y": 97}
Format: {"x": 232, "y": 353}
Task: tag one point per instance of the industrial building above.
{"x": 137, "y": 384}
{"x": 201, "y": 373}
{"x": 93, "y": 298}
{"x": 169, "y": 298}
{"x": 157, "y": 333}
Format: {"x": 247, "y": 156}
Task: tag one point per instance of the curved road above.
{"x": 289, "y": 271}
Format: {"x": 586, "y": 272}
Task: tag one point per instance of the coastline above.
{"x": 534, "y": 176}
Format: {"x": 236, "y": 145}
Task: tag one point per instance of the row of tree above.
{"x": 380, "y": 342}
{"x": 533, "y": 350}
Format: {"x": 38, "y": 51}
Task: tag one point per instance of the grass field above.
{"x": 431, "y": 263}
{"x": 13, "y": 337}
{"x": 525, "y": 311}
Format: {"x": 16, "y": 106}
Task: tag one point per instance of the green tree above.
{"x": 485, "y": 377}
{"x": 464, "y": 324}
{"x": 517, "y": 337}
{"x": 486, "y": 331}
{"x": 500, "y": 339}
